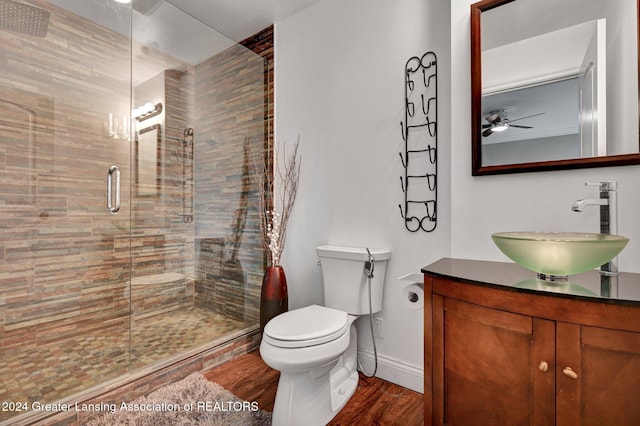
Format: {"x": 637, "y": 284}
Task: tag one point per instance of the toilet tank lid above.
{"x": 352, "y": 253}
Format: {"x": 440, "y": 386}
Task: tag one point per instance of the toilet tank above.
{"x": 346, "y": 285}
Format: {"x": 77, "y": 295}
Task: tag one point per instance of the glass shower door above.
{"x": 64, "y": 258}
{"x": 199, "y": 121}
{"x": 98, "y": 104}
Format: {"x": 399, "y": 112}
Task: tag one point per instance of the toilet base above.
{"x": 315, "y": 397}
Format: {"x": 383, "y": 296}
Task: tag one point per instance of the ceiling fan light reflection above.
{"x": 500, "y": 127}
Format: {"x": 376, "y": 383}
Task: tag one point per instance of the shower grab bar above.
{"x": 114, "y": 171}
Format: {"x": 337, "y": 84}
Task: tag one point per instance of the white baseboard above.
{"x": 393, "y": 371}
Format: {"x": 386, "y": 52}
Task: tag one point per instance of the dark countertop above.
{"x": 623, "y": 289}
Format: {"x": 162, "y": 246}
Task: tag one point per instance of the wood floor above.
{"x": 376, "y": 402}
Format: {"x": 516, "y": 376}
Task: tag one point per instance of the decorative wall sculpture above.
{"x": 420, "y": 135}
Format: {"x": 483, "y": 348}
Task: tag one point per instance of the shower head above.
{"x": 23, "y": 18}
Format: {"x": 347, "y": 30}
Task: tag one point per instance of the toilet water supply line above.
{"x": 368, "y": 270}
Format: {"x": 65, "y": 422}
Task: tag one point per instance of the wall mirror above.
{"x": 554, "y": 84}
{"x": 147, "y": 160}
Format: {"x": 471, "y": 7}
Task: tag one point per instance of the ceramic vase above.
{"x": 273, "y": 298}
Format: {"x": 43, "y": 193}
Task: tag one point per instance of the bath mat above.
{"x": 191, "y": 401}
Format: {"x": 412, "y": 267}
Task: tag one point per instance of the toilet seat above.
{"x": 309, "y": 326}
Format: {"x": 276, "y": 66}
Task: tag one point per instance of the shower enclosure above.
{"x": 129, "y": 234}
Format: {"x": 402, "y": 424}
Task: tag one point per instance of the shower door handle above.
{"x": 113, "y": 179}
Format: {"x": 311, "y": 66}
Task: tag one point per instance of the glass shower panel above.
{"x": 175, "y": 112}
{"x": 199, "y": 122}
{"x": 64, "y": 259}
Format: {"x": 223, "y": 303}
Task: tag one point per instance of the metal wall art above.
{"x": 420, "y": 135}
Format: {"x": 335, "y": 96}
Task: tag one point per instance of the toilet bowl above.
{"x": 315, "y": 347}
{"x": 317, "y": 365}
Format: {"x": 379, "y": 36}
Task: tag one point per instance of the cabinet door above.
{"x": 603, "y": 385}
{"x": 492, "y": 367}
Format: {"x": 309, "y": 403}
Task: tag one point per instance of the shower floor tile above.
{"x": 51, "y": 372}
{"x": 162, "y": 336}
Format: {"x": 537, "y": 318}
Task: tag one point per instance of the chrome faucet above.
{"x": 579, "y": 205}
{"x": 608, "y": 203}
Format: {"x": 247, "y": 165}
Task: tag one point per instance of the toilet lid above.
{"x": 308, "y": 326}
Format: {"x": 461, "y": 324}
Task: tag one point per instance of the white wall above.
{"x": 528, "y": 201}
{"x": 340, "y": 88}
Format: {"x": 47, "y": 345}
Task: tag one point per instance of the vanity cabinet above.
{"x": 487, "y": 365}
{"x": 495, "y": 354}
{"x": 606, "y": 384}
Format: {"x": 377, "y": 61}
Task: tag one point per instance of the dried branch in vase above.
{"x": 275, "y": 209}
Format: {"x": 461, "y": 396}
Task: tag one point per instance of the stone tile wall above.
{"x": 161, "y": 240}
{"x": 235, "y": 125}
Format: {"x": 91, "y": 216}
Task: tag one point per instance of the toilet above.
{"x": 315, "y": 347}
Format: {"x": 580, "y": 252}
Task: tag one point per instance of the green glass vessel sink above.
{"x": 556, "y": 255}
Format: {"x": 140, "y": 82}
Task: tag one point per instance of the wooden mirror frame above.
{"x": 477, "y": 169}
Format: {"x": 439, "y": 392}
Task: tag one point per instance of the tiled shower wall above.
{"x": 162, "y": 247}
{"x": 235, "y": 127}
{"x": 64, "y": 264}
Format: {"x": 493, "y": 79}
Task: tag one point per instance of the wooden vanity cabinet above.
{"x": 503, "y": 357}
{"x": 607, "y": 365}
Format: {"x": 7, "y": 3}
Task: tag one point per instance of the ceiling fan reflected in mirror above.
{"x": 498, "y": 121}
